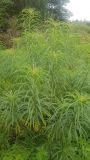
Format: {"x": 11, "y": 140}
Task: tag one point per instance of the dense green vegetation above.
{"x": 47, "y": 8}
{"x": 45, "y": 94}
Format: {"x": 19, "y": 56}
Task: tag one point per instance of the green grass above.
{"x": 45, "y": 94}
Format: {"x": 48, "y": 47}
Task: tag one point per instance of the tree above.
{"x": 57, "y": 9}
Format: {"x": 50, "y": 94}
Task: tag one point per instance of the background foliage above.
{"x": 9, "y": 8}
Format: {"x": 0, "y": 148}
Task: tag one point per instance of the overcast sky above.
{"x": 80, "y": 9}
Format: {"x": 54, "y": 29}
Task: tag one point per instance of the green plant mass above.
{"x": 47, "y": 8}
{"x": 45, "y": 91}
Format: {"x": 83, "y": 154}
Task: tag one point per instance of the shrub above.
{"x": 29, "y": 19}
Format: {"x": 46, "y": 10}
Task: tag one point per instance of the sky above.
{"x": 80, "y": 9}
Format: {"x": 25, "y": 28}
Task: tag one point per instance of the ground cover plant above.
{"x": 45, "y": 94}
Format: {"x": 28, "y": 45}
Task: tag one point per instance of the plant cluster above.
{"x": 45, "y": 95}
